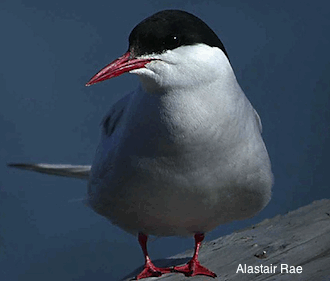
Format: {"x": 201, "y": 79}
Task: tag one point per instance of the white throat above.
{"x": 184, "y": 67}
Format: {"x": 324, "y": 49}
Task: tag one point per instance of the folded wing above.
{"x": 64, "y": 170}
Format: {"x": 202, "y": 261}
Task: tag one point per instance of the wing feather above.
{"x": 64, "y": 170}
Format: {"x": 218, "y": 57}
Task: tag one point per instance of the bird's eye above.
{"x": 171, "y": 42}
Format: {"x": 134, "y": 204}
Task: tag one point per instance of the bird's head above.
{"x": 171, "y": 48}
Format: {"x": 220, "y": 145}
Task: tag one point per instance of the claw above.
{"x": 149, "y": 270}
{"x": 193, "y": 267}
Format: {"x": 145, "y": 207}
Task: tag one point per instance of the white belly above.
{"x": 180, "y": 166}
{"x": 156, "y": 200}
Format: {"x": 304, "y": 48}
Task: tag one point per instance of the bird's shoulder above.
{"x": 258, "y": 119}
{"x": 112, "y": 119}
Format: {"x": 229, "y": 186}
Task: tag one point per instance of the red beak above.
{"x": 117, "y": 67}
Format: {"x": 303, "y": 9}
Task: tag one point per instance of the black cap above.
{"x": 169, "y": 29}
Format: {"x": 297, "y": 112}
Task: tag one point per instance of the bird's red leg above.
{"x": 149, "y": 270}
{"x": 193, "y": 267}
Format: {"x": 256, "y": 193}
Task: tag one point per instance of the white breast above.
{"x": 183, "y": 160}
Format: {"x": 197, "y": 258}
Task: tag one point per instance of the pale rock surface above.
{"x": 299, "y": 238}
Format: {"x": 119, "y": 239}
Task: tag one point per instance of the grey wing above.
{"x": 256, "y": 115}
{"x": 71, "y": 171}
{"x": 109, "y": 124}
{"x": 112, "y": 129}
{"x": 112, "y": 120}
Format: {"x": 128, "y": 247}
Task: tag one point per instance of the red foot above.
{"x": 193, "y": 268}
{"x": 152, "y": 271}
{"x": 149, "y": 269}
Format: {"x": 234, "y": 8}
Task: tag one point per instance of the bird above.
{"x": 181, "y": 154}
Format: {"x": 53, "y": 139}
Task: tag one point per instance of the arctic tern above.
{"x": 181, "y": 154}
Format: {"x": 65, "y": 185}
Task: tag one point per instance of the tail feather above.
{"x": 64, "y": 170}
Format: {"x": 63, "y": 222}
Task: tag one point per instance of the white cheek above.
{"x": 150, "y": 69}
{"x": 142, "y": 71}
{"x": 186, "y": 66}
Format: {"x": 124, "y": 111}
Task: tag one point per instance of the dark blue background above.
{"x": 49, "y": 50}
